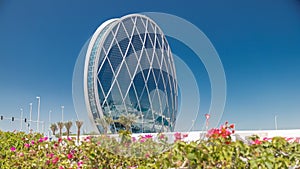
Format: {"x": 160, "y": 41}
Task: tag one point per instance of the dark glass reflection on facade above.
{"x": 130, "y": 70}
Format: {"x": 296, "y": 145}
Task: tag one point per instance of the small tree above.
{"x": 79, "y": 125}
{"x": 53, "y": 128}
{"x": 60, "y": 126}
{"x": 68, "y": 126}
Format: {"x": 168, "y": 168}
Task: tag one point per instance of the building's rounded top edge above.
{"x": 104, "y": 24}
{"x": 134, "y": 15}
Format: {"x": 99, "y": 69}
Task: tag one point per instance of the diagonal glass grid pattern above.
{"x": 131, "y": 71}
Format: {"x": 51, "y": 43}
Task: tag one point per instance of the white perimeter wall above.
{"x": 196, "y": 135}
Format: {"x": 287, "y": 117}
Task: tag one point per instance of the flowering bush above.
{"x": 224, "y": 132}
{"x": 21, "y": 150}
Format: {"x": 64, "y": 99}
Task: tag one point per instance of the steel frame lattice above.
{"x": 129, "y": 69}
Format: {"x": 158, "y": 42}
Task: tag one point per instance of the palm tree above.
{"x": 68, "y": 126}
{"x": 53, "y": 128}
{"x": 60, "y": 126}
{"x": 127, "y": 120}
{"x": 78, "y": 124}
{"x": 109, "y": 120}
{"x": 103, "y": 123}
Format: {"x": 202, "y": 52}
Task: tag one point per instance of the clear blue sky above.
{"x": 258, "y": 42}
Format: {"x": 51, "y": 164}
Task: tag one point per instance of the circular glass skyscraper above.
{"x": 129, "y": 71}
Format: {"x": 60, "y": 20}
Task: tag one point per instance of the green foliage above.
{"x": 21, "y": 150}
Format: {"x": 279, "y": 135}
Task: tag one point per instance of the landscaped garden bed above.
{"x": 21, "y": 150}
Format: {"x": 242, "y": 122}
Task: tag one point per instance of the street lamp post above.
{"x": 142, "y": 122}
{"x": 275, "y": 122}
{"x": 38, "y": 117}
{"x": 62, "y": 113}
{"x": 30, "y": 113}
{"x": 207, "y": 116}
{"x": 21, "y": 119}
{"x": 193, "y": 124}
{"x": 49, "y": 118}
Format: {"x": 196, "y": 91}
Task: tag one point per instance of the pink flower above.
{"x": 41, "y": 140}
{"x": 13, "y": 149}
{"x": 59, "y": 140}
{"x": 266, "y": 139}
{"x": 133, "y": 139}
{"x": 61, "y": 167}
{"x": 87, "y": 139}
{"x": 50, "y": 155}
{"x": 147, "y": 155}
{"x": 142, "y": 140}
{"x": 21, "y": 154}
{"x": 185, "y": 135}
{"x": 256, "y": 142}
{"x": 70, "y": 156}
{"x": 45, "y": 138}
{"x": 80, "y": 163}
{"x": 32, "y": 142}
{"x": 55, "y": 160}
{"x": 26, "y": 145}
{"x": 148, "y": 136}
{"x": 177, "y": 136}
{"x": 161, "y": 136}
{"x": 69, "y": 139}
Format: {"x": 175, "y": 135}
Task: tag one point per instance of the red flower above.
{"x": 231, "y": 126}
{"x": 70, "y": 156}
{"x": 185, "y": 135}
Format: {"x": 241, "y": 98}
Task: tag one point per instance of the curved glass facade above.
{"x": 129, "y": 69}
